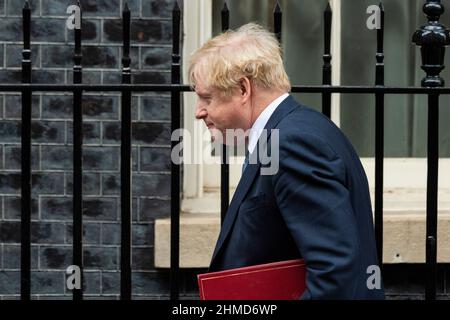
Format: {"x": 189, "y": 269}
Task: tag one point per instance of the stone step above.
{"x": 396, "y": 201}
{"x": 404, "y": 229}
{"x": 404, "y": 239}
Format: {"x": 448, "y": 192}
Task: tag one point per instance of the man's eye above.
{"x": 206, "y": 99}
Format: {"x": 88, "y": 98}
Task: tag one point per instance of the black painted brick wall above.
{"x": 52, "y": 58}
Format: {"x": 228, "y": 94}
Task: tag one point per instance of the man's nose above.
{"x": 200, "y": 112}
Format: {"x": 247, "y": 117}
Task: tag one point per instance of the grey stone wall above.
{"x": 52, "y": 53}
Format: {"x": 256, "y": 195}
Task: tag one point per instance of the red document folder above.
{"x": 283, "y": 280}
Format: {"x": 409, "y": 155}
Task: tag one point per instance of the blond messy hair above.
{"x": 250, "y": 51}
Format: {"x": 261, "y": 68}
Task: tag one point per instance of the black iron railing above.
{"x": 25, "y": 274}
{"x": 78, "y": 160}
{"x": 379, "y": 140}
{"x": 175, "y": 168}
{"x": 125, "y": 162}
{"x": 225, "y": 168}
{"x": 433, "y": 38}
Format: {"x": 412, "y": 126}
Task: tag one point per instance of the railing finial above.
{"x": 380, "y": 35}
{"x": 225, "y": 6}
{"x": 277, "y": 21}
{"x": 225, "y": 17}
{"x": 277, "y": 7}
{"x": 176, "y": 7}
{"x": 26, "y": 5}
{"x": 432, "y": 38}
{"x": 433, "y": 10}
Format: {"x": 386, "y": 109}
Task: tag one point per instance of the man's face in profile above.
{"x": 220, "y": 112}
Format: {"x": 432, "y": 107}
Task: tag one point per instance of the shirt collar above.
{"x": 261, "y": 121}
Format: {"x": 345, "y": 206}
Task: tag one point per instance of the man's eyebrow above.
{"x": 203, "y": 94}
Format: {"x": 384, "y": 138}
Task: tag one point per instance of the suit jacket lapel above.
{"x": 241, "y": 191}
{"x": 250, "y": 174}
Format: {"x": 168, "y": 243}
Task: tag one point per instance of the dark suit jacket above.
{"x": 316, "y": 207}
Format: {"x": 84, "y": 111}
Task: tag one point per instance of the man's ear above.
{"x": 245, "y": 88}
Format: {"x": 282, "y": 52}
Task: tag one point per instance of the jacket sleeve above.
{"x": 311, "y": 193}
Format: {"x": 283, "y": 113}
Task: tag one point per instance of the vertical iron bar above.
{"x": 25, "y": 267}
{"x": 433, "y": 37}
{"x": 175, "y": 168}
{"x": 379, "y": 140}
{"x": 224, "y": 167}
{"x": 78, "y": 162}
{"x": 277, "y": 20}
{"x": 432, "y": 196}
{"x": 326, "y": 69}
{"x": 125, "y": 164}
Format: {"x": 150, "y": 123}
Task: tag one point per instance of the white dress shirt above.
{"x": 261, "y": 121}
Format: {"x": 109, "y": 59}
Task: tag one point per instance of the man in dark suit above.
{"x": 314, "y": 203}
